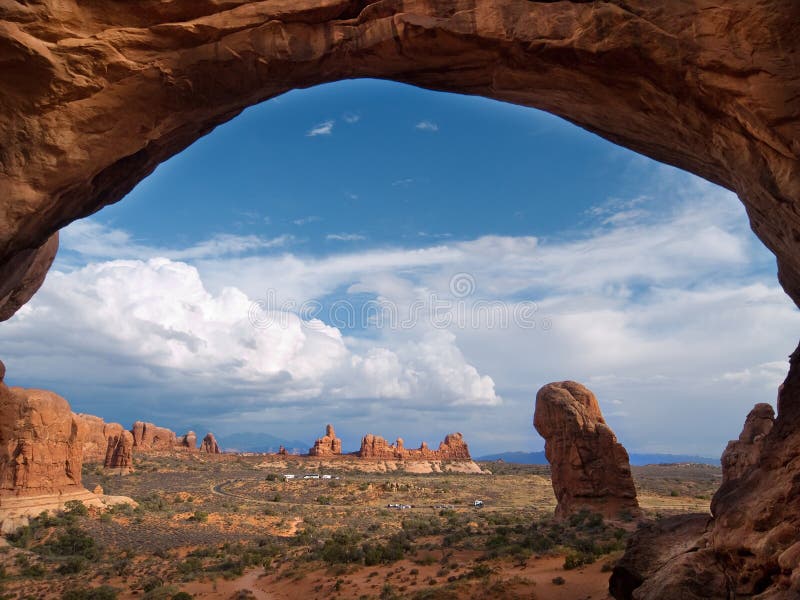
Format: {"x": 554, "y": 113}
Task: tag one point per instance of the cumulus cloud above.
{"x": 668, "y": 310}
{"x": 325, "y": 128}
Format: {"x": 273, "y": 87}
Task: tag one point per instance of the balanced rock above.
{"x": 328, "y": 445}
{"x": 188, "y": 441}
{"x": 147, "y": 436}
{"x": 210, "y": 445}
{"x": 590, "y": 468}
{"x": 119, "y": 453}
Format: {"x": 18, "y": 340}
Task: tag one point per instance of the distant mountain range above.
{"x": 259, "y": 442}
{"x": 538, "y": 458}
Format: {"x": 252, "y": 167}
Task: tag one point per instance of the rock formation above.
{"x": 210, "y": 445}
{"x": 40, "y": 444}
{"x": 744, "y": 453}
{"x": 282, "y": 451}
{"x": 590, "y": 469}
{"x": 188, "y": 441}
{"x": 119, "y": 453}
{"x": 751, "y": 546}
{"x": 96, "y": 95}
{"x": 328, "y": 445}
{"x": 147, "y": 436}
{"x": 451, "y": 449}
{"x": 705, "y": 86}
{"x": 96, "y": 434}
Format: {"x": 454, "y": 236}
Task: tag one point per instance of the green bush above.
{"x": 104, "y": 592}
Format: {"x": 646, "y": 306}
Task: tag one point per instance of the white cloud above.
{"x": 306, "y": 220}
{"x": 427, "y": 126}
{"x": 325, "y": 128}
{"x": 669, "y": 313}
{"x": 94, "y": 240}
{"x": 351, "y": 118}
{"x": 345, "y": 237}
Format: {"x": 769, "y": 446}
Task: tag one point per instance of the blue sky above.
{"x": 641, "y": 281}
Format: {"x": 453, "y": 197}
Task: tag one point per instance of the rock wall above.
{"x": 590, "y": 468}
{"x": 327, "y": 445}
{"x": 750, "y": 546}
{"x": 452, "y": 448}
{"x": 96, "y": 435}
{"x": 41, "y": 444}
{"x": 147, "y": 436}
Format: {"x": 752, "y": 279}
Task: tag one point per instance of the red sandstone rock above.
{"x": 40, "y": 444}
{"x": 119, "y": 454}
{"x": 328, "y": 445}
{"x": 96, "y": 435}
{"x": 742, "y": 454}
{"x": 452, "y": 448}
{"x": 590, "y": 469}
{"x": 282, "y": 451}
{"x": 210, "y": 445}
{"x": 188, "y": 441}
{"x": 147, "y": 436}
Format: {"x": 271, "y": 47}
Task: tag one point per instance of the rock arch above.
{"x": 96, "y": 94}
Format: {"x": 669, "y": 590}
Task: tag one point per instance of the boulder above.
{"x": 742, "y": 454}
{"x": 590, "y": 468}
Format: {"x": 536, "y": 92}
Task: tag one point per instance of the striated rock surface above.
{"x": 188, "y": 441}
{"x": 453, "y": 448}
{"x": 328, "y": 445}
{"x": 590, "y": 468}
{"x": 147, "y": 436}
{"x": 119, "y": 452}
{"x": 210, "y": 445}
{"x": 41, "y": 444}
{"x": 96, "y": 433}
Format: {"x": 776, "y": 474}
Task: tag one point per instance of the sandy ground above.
{"x": 535, "y": 581}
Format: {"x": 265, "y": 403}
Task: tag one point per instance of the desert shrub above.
{"x": 559, "y": 580}
{"x": 479, "y": 571}
{"x": 182, "y": 596}
{"x": 70, "y": 542}
{"x": 104, "y": 592}
{"x": 342, "y": 547}
{"x": 578, "y": 559}
{"x": 75, "y": 508}
{"x": 72, "y": 565}
{"x": 199, "y": 516}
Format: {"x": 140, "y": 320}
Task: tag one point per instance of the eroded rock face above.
{"x": 119, "y": 453}
{"x": 188, "y": 441}
{"x": 750, "y": 547}
{"x": 96, "y": 435}
{"x": 210, "y": 445}
{"x": 96, "y": 96}
{"x": 327, "y": 445}
{"x": 742, "y": 454}
{"x": 147, "y": 436}
{"x": 590, "y": 468}
{"x": 40, "y": 444}
{"x": 453, "y": 448}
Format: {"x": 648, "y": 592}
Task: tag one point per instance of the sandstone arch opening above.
{"x": 73, "y": 157}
